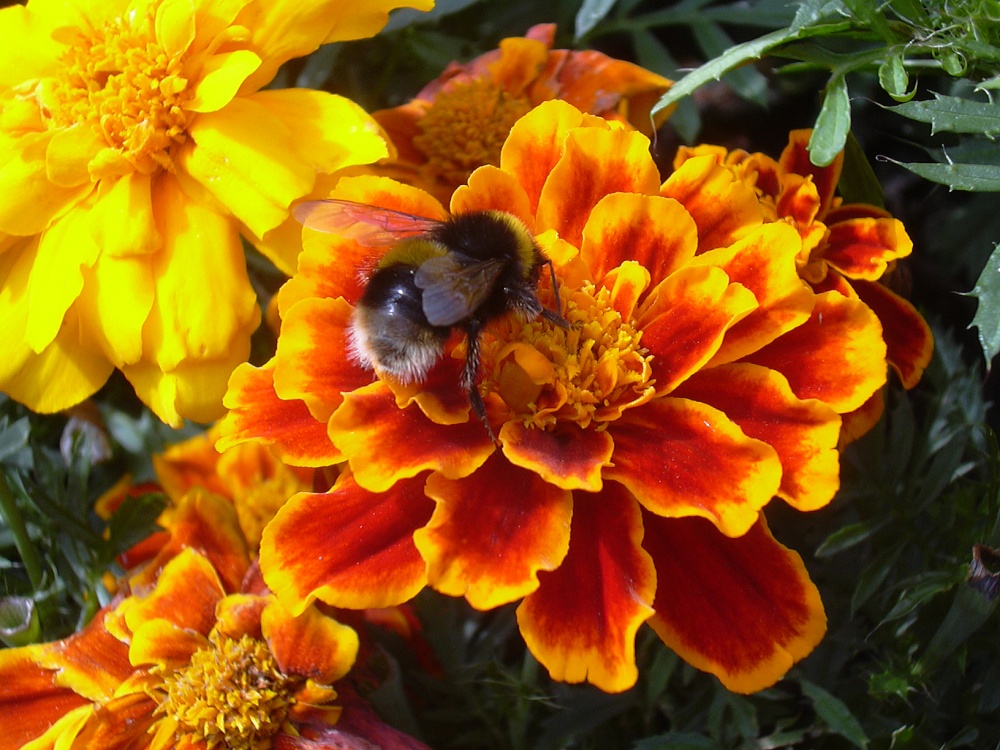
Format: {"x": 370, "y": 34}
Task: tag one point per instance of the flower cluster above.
{"x": 136, "y": 149}
{"x": 699, "y": 378}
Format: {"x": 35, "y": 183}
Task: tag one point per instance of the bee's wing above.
{"x": 452, "y": 289}
{"x": 371, "y": 226}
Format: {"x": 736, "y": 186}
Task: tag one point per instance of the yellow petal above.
{"x": 175, "y": 26}
{"x": 121, "y": 220}
{"x": 70, "y": 152}
{"x": 222, "y": 76}
{"x": 116, "y": 299}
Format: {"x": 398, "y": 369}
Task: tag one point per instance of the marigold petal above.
{"x": 567, "y": 457}
{"x": 908, "y": 338}
{"x": 256, "y": 413}
{"x": 535, "y": 144}
{"x": 489, "y": 187}
{"x": 56, "y": 277}
{"x": 222, "y": 74}
{"x": 582, "y": 620}
{"x": 27, "y": 49}
{"x": 684, "y": 458}
{"x": 309, "y": 645}
{"x": 347, "y": 547}
{"x": 92, "y": 662}
{"x": 70, "y": 152}
{"x": 795, "y": 158}
{"x": 31, "y": 202}
{"x": 186, "y": 593}
{"x": 742, "y": 609}
{"x": 246, "y": 157}
{"x": 804, "y": 433}
{"x": 837, "y": 356}
{"x": 724, "y": 208}
{"x": 313, "y": 363}
{"x": 160, "y": 643}
{"x": 175, "y": 26}
{"x": 438, "y": 396}
{"x": 687, "y": 320}
{"x": 120, "y": 724}
{"x": 862, "y": 248}
{"x": 763, "y": 262}
{"x": 197, "y": 315}
{"x": 30, "y": 699}
{"x": 594, "y": 164}
{"x": 492, "y": 532}
{"x": 384, "y": 443}
{"x": 122, "y": 219}
{"x": 656, "y": 232}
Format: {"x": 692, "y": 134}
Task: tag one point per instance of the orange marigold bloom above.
{"x": 191, "y": 659}
{"x": 459, "y": 121}
{"x": 845, "y": 247}
{"x": 699, "y": 378}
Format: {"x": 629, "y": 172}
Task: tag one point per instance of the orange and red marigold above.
{"x": 700, "y": 378}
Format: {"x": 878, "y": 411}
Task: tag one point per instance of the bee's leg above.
{"x": 470, "y": 373}
{"x": 556, "y": 317}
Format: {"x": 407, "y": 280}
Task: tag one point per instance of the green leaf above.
{"x": 812, "y": 12}
{"x": 833, "y": 124}
{"x": 870, "y": 15}
{"x": 894, "y": 79}
{"x": 747, "y": 81}
{"x": 858, "y": 183}
{"x": 591, "y": 13}
{"x": 987, "y": 318}
{"x": 846, "y": 538}
{"x": 974, "y": 177}
{"x": 836, "y": 714}
{"x": 952, "y": 114}
{"x": 738, "y": 55}
{"x": 133, "y": 521}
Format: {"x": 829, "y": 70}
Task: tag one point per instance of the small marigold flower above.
{"x": 699, "y": 378}
{"x": 190, "y": 659}
{"x": 136, "y": 148}
{"x": 459, "y": 121}
{"x": 849, "y": 248}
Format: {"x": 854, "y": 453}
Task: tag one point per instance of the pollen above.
{"x": 118, "y": 80}
{"x": 588, "y": 373}
{"x": 466, "y": 127}
{"x": 230, "y": 695}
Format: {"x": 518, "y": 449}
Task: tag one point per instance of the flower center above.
{"x": 589, "y": 373}
{"x": 230, "y": 695}
{"x": 118, "y": 80}
{"x": 466, "y": 127}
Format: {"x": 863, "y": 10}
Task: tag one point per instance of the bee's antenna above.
{"x": 556, "y": 317}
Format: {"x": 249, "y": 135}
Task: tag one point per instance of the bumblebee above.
{"x": 437, "y": 276}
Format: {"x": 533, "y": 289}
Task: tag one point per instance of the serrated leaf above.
{"x": 815, "y": 11}
{"x": 738, "y": 55}
{"x": 591, "y": 13}
{"x": 953, "y": 114}
{"x": 747, "y": 81}
{"x": 133, "y": 521}
{"x": 832, "y": 125}
{"x": 870, "y": 15}
{"x": 987, "y": 317}
{"x": 975, "y": 177}
{"x": 836, "y": 714}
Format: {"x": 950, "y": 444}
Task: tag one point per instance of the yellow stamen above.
{"x": 465, "y": 128}
{"x": 229, "y": 695}
{"x": 588, "y": 374}
{"x": 118, "y": 80}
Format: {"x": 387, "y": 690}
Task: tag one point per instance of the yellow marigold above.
{"x": 136, "y": 149}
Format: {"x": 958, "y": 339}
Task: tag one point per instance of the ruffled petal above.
{"x": 348, "y": 547}
{"x": 725, "y": 209}
{"x": 246, "y": 157}
{"x": 221, "y": 77}
{"x": 653, "y": 231}
{"x": 310, "y": 645}
{"x": 492, "y": 532}
{"x": 566, "y": 457}
{"x": 92, "y": 662}
{"x": 684, "y": 458}
{"x": 313, "y": 364}
{"x": 30, "y": 698}
{"x": 685, "y": 323}
{"x": 908, "y": 339}
{"x": 742, "y": 609}
{"x": 595, "y": 162}
{"x": 491, "y": 188}
{"x": 120, "y": 724}
{"x": 384, "y": 443}
{"x": 863, "y": 248}
{"x": 804, "y": 433}
{"x": 116, "y": 299}
{"x": 837, "y": 356}
{"x": 763, "y": 262}
{"x": 256, "y": 413}
{"x": 582, "y": 620}
{"x": 160, "y": 643}
{"x": 795, "y": 158}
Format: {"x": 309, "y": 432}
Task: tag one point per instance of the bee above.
{"x": 463, "y": 272}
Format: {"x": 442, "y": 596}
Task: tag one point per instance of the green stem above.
{"x": 12, "y": 516}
